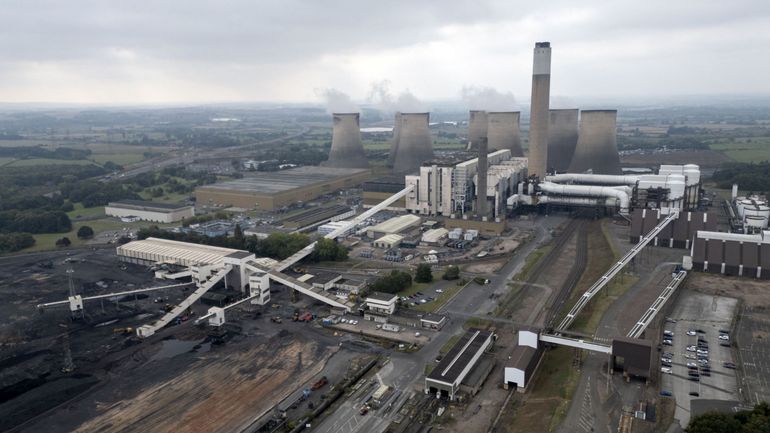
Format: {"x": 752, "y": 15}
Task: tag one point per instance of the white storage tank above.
{"x": 675, "y": 183}
{"x": 755, "y": 222}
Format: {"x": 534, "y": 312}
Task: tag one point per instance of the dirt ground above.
{"x": 703, "y": 158}
{"x": 485, "y": 267}
{"x": 754, "y": 293}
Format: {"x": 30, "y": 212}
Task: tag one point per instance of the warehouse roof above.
{"x": 147, "y": 205}
{"x": 379, "y": 296}
{"x": 284, "y": 180}
{"x": 460, "y": 356}
{"x": 521, "y": 357}
{"x": 396, "y": 224}
{"x": 177, "y": 251}
{"x": 390, "y": 239}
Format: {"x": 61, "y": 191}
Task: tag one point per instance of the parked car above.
{"x": 666, "y": 364}
{"x": 666, "y": 370}
{"x": 692, "y": 364}
{"x": 702, "y": 352}
{"x": 724, "y": 331}
{"x": 668, "y": 333}
{"x": 690, "y": 348}
{"x": 729, "y": 365}
{"x": 668, "y": 355}
{"x": 666, "y": 360}
{"x": 665, "y": 393}
{"x": 689, "y": 356}
{"x": 690, "y": 332}
{"x": 668, "y": 343}
{"x": 694, "y": 378}
{"x": 695, "y": 393}
{"x": 724, "y": 337}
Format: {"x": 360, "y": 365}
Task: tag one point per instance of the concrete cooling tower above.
{"x": 597, "y": 145}
{"x": 562, "y": 138}
{"x": 347, "y": 150}
{"x": 415, "y": 144}
{"x": 394, "y": 143}
{"x": 503, "y": 132}
{"x": 538, "y": 124}
{"x": 477, "y": 128}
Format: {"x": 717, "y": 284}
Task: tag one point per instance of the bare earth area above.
{"x": 754, "y": 293}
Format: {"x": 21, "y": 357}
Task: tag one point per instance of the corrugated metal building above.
{"x": 732, "y": 254}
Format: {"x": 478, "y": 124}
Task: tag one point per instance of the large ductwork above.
{"x": 414, "y": 145}
{"x": 503, "y": 132}
{"x": 588, "y": 191}
{"x": 597, "y": 146}
{"x": 562, "y": 138}
{"x": 347, "y": 150}
{"x": 481, "y": 182}
{"x": 477, "y": 128}
{"x": 593, "y": 179}
{"x": 539, "y": 114}
{"x": 394, "y": 142}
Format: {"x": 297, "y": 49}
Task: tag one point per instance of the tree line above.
{"x": 749, "y": 176}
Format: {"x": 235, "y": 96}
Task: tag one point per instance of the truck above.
{"x": 127, "y": 330}
{"x": 306, "y": 317}
{"x": 276, "y": 319}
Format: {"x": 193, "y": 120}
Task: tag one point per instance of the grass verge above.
{"x": 532, "y": 259}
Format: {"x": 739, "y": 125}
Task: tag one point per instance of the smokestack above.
{"x": 503, "y": 132}
{"x": 597, "y": 145}
{"x": 347, "y": 150}
{"x": 477, "y": 128}
{"x": 481, "y": 183}
{"x": 414, "y": 145}
{"x": 538, "y": 123}
{"x": 394, "y": 143}
{"x": 562, "y": 138}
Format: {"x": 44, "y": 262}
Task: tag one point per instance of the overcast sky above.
{"x": 188, "y": 51}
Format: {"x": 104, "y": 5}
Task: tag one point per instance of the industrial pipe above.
{"x": 587, "y": 191}
{"x": 600, "y": 179}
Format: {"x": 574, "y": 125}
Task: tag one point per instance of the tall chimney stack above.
{"x": 481, "y": 183}
{"x": 539, "y": 114}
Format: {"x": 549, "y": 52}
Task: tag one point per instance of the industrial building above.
{"x": 451, "y": 188}
{"x": 524, "y": 360}
{"x": 745, "y": 255}
{"x": 377, "y": 190}
{"x": 434, "y": 236}
{"x": 457, "y": 364}
{"x": 149, "y": 211}
{"x": 388, "y": 242}
{"x": 381, "y": 303}
{"x": 347, "y": 151}
{"x": 414, "y": 143}
{"x": 312, "y": 217}
{"x": 748, "y": 214}
{"x": 394, "y": 225}
{"x": 274, "y": 190}
{"x": 678, "y": 234}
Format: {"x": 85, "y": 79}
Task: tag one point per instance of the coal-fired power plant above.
{"x": 562, "y": 138}
{"x": 477, "y": 128}
{"x": 414, "y": 144}
{"x": 347, "y": 150}
{"x": 503, "y": 132}
{"x": 394, "y": 142}
{"x": 538, "y": 123}
{"x": 481, "y": 182}
{"x": 597, "y": 145}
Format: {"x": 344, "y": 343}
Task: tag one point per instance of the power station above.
{"x": 413, "y": 142}
{"x": 347, "y": 150}
{"x": 503, "y": 132}
{"x": 597, "y": 144}
{"x": 477, "y": 128}
{"x": 562, "y": 138}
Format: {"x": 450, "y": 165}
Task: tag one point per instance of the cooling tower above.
{"x": 562, "y": 138}
{"x": 414, "y": 145}
{"x": 597, "y": 145}
{"x": 477, "y": 128}
{"x": 538, "y": 123}
{"x": 347, "y": 150}
{"x": 481, "y": 180}
{"x": 394, "y": 143}
{"x": 503, "y": 132}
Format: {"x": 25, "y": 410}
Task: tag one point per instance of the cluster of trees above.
{"x": 12, "y": 242}
{"x": 423, "y": 274}
{"x": 295, "y": 153}
{"x": 93, "y": 193}
{"x": 452, "y": 272}
{"x": 197, "y": 219}
{"x": 34, "y": 221}
{"x": 756, "y": 420}
{"x": 14, "y": 178}
{"x": 25, "y": 152}
{"x": 277, "y": 245}
{"x": 752, "y": 177}
{"x": 394, "y": 282}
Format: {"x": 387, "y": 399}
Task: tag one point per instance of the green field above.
{"x": 118, "y": 158}
{"x": 743, "y": 150}
{"x": 4, "y": 161}
{"x": 81, "y": 212}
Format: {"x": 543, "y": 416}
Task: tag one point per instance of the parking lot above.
{"x": 706, "y": 315}
{"x": 753, "y": 339}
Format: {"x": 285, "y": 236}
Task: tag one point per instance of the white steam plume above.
{"x": 488, "y": 99}
{"x": 337, "y": 101}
